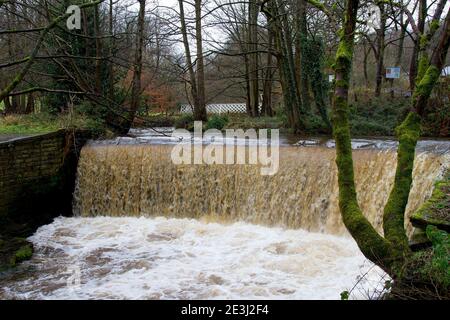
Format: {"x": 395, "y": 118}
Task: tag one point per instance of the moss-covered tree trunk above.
{"x": 372, "y": 245}
{"x": 390, "y": 251}
{"x": 408, "y": 134}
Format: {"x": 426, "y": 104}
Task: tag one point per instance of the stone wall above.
{"x": 37, "y": 179}
{"x": 37, "y": 176}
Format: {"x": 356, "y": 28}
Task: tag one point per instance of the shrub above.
{"x": 217, "y": 122}
{"x": 316, "y": 125}
{"x": 186, "y": 121}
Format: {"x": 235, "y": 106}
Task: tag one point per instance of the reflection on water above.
{"x": 160, "y": 258}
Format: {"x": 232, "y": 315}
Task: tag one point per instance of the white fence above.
{"x": 219, "y": 108}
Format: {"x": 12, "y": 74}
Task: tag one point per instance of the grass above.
{"x": 44, "y": 122}
{"x": 231, "y": 121}
{"x": 242, "y": 121}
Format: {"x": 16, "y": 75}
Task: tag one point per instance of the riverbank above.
{"x": 18, "y": 125}
{"x": 362, "y": 125}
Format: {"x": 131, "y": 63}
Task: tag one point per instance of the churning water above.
{"x": 160, "y": 258}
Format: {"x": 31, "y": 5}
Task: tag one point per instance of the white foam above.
{"x": 160, "y": 258}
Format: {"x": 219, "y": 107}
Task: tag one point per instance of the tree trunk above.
{"x": 136, "y": 89}
{"x": 247, "y": 86}
{"x": 408, "y": 134}
{"x": 268, "y": 80}
{"x": 8, "y": 107}
{"x": 366, "y": 56}
{"x": 371, "y": 244}
{"x": 318, "y": 81}
{"x": 301, "y": 43}
{"x": 187, "y": 50}
{"x": 30, "y": 104}
{"x": 98, "y": 52}
{"x": 399, "y": 54}
{"x": 289, "y": 67}
{"x": 128, "y": 117}
{"x": 253, "y": 57}
{"x": 22, "y": 103}
{"x": 281, "y": 64}
{"x": 15, "y": 104}
{"x": 380, "y": 49}
{"x": 111, "y": 52}
{"x": 414, "y": 67}
{"x": 391, "y": 251}
{"x": 276, "y": 15}
{"x": 200, "y": 111}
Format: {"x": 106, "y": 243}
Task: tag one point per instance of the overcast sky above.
{"x": 210, "y": 34}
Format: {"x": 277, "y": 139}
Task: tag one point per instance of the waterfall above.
{"x": 141, "y": 180}
{"x": 133, "y": 236}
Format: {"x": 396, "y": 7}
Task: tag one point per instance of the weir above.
{"x": 132, "y": 236}
{"x": 141, "y": 180}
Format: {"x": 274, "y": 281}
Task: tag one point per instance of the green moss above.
{"x": 13, "y": 251}
{"x": 426, "y": 84}
{"x": 426, "y": 273}
{"x": 373, "y": 246}
{"x": 434, "y": 26}
{"x": 432, "y": 265}
{"x": 423, "y": 66}
{"x": 423, "y": 41}
{"x": 344, "y": 56}
{"x": 24, "y": 253}
{"x": 436, "y": 210}
{"x": 393, "y": 218}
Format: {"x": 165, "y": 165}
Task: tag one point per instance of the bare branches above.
{"x": 19, "y": 77}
